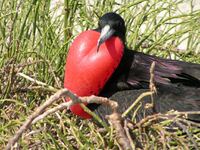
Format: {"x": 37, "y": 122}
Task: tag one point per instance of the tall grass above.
{"x": 34, "y": 39}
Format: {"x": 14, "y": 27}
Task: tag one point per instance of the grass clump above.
{"x": 34, "y": 39}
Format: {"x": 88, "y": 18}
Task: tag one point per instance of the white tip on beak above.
{"x": 106, "y": 33}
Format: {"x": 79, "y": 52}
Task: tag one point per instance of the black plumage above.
{"x": 168, "y": 98}
{"x": 177, "y": 82}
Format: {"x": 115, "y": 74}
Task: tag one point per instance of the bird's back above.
{"x": 166, "y": 71}
{"x": 168, "y": 98}
{"x": 133, "y": 73}
{"x": 177, "y": 83}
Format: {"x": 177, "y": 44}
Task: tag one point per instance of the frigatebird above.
{"x": 100, "y": 63}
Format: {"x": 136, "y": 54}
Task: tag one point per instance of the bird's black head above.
{"x": 111, "y": 24}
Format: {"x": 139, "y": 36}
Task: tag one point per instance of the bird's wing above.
{"x": 166, "y": 71}
{"x": 168, "y": 98}
{"x": 133, "y": 72}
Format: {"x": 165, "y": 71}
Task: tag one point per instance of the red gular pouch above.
{"x": 87, "y": 70}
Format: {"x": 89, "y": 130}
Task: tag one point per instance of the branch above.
{"x": 152, "y": 86}
{"x": 38, "y": 111}
{"x": 88, "y": 99}
{"x": 149, "y": 93}
{"x": 61, "y": 106}
{"x": 116, "y": 121}
{"x": 36, "y": 116}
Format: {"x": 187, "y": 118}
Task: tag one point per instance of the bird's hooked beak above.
{"x": 106, "y": 33}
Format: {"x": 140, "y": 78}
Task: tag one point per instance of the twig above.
{"x": 88, "y": 99}
{"x": 146, "y": 119}
{"x": 28, "y": 122}
{"x": 53, "y": 110}
{"x": 64, "y": 92}
{"x": 136, "y": 102}
{"x": 128, "y": 134}
{"x": 152, "y": 91}
{"x": 115, "y": 120}
{"x": 189, "y": 122}
{"x": 152, "y": 86}
{"x": 36, "y": 81}
{"x": 101, "y": 100}
{"x": 168, "y": 115}
{"x": 185, "y": 113}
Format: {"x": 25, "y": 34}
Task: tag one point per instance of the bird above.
{"x": 100, "y": 63}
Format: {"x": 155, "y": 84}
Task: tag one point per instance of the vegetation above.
{"x": 34, "y": 40}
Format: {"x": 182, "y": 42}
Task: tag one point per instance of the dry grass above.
{"x": 35, "y": 43}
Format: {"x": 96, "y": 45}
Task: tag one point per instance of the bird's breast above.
{"x": 86, "y": 70}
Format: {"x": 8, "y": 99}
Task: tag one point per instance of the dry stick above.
{"x": 136, "y": 102}
{"x": 87, "y": 99}
{"x": 53, "y": 110}
{"x": 115, "y": 118}
{"x": 146, "y": 119}
{"x": 37, "y": 82}
{"x": 128, "y": 134}
{"x": 122, "y": 136}
{"x": 64, "y": 92}
{"x": 115, "y": 121}
{"x": 152, "y": 88}
{"x": 164, "y": 116}
{"x": 28, "y": 122}
{"x": 39, "y": 110}
{"x": 185, "y": 113}
{"x": 189, "y": 122}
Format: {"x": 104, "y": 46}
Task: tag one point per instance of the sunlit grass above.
{"x": 34, "y": 39}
